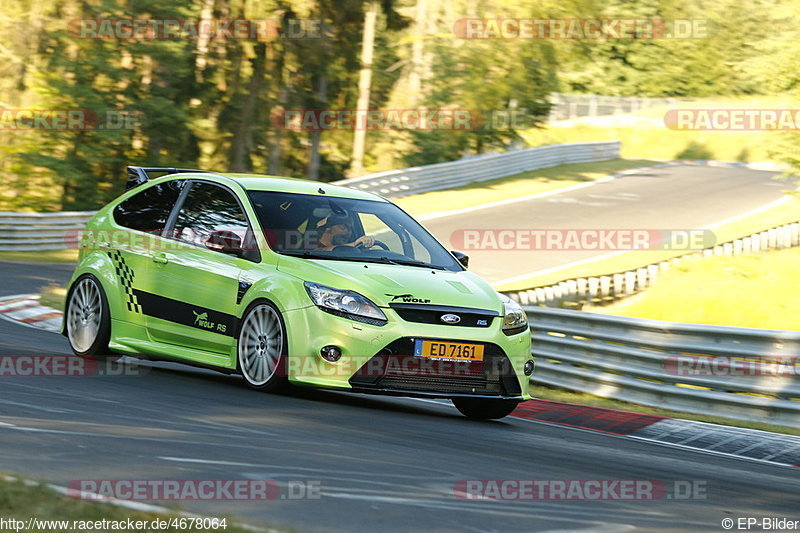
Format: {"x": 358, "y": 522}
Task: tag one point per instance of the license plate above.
{"x": 448, "y": 350}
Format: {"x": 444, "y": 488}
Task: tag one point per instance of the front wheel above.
{"x": 261, "y": 347}
{"x": 88, "y": 319}
{"x": 485, "y": 409}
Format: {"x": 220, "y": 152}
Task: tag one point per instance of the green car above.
{"x": 288, "y": 281}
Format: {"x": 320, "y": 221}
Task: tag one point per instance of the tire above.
{"x": 484, "y": 409}
{"x": 88, "y": 320}
{"x": 261, "y": 347}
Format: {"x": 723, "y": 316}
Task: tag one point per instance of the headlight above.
{"x": 514, "y": 318}
{"x": 347, "y": 304}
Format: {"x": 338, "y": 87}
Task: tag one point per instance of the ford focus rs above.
{"x": 288, "y": 281}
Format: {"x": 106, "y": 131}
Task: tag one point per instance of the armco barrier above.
{"x": 575, "y": 292}
{"x": 566, "y": 106}
{"x": 639, "y": 361}
{"x": 394, "y": 183}
{"x": 39, "y": 231}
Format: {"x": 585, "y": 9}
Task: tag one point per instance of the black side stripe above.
{"x": 186, "y": 314}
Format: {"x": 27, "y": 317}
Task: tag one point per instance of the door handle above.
{"x": 160, "y": 258}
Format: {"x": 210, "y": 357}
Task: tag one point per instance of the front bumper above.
{"x": 379, "y": 359}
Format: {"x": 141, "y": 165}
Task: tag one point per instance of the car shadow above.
{"x": 397, "y": 404}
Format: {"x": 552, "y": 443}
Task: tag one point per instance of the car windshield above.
{"x": 346, "y": 229}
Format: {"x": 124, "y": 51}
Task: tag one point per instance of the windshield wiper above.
{"x": 409, "y": 262}
{"x": 382, "y": 259}
{"x": 314, "y": 255}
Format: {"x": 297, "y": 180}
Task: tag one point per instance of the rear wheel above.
{"x": 88, "y": 319}
{"x": 485, "y": 409}
{"x": 261, "y": 347}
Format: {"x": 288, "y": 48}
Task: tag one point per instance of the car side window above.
{"x": 149, "y": 209}
{"x": 211, "y": 217}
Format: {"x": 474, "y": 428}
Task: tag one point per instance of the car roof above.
{"x": 259, "y": 182}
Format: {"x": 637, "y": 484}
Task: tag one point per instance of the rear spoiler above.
{"x": 139, "y": 175}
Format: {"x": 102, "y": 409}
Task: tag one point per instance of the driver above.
{"x": 338, "y": 231}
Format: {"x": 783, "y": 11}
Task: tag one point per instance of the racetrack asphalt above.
{"x": 382, "y": 464}
{"x": 673, "y": 197}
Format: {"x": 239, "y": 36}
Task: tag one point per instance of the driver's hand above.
{"x": 365, "y": 240}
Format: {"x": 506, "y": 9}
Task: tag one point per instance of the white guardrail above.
{"x": 52, "y": 231}
{"x": 564, "y": 106}
{"x": 739, "y": 373}
{"x": 574, "y": 292}
{"x": 40, "y": 231}
{"x": 394, "y": 183}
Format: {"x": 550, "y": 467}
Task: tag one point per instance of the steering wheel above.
{"x": 379, "y": 244}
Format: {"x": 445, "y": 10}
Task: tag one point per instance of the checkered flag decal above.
{"x": 125, "y": 275}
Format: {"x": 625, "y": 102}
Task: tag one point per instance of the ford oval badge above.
{"x": 450, "y": 318}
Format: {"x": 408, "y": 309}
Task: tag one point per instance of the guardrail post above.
{"x": 605, "y": 287}
{"x": 619, "y": 285}
{"x": 630, "y": 282}
{"x": 594, "y": 289}
{"x": 541, "y": 296}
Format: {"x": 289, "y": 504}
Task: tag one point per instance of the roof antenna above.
{"x": 321, "y": 190}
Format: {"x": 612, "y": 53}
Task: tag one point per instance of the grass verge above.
{"x": 783, "y": 213}
{"x": 69, "y": 255}
{"x": 22, "y": 501}
{"x": 544, "y": 392}
{"x": 53, "y": 296}
{"x": 753, "y": 291}
{"x": 527, "y": 183}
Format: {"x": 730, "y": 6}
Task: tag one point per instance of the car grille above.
{"x": 431, "y": 314}
{"x": 396, "y": 369}
{"x": 442, "y": 385}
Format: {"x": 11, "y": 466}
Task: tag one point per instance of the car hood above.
{"x": 386, "y": 284}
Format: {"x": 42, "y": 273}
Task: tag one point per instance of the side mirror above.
{"x": 226, "y": 242}
{"x": 462, "y": 258}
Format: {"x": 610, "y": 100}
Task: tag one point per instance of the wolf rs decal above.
{"x": 125, "y": 275}
{"x": 200, "y": 317}
{"x": 408, "y": 299}
{"x": 201, "y": 321}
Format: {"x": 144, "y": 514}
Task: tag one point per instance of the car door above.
{"x": 140, "y": 221}
{"x": 196, "y": 282}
